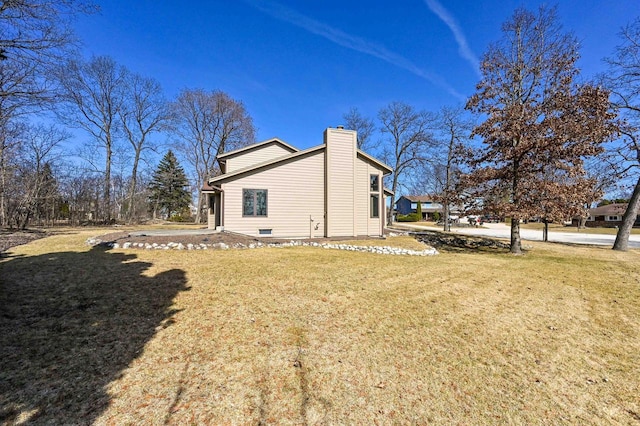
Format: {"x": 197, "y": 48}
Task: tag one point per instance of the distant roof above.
{"x": 615, "y": 209}
{"x": 258, "y": 145}
{"x": 418, "y": 198}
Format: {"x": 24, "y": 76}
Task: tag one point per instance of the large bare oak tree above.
{"x": 144, "y": 112}
{"x": 408, "y": 141}
{"x": 34, "y": 36}
{"x": 207, "y": 124}
{"x": 92, "y": 94}
{"x": 623, "y": 79}
{"x": 364, "y": 126}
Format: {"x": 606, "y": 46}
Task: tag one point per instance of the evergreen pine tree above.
{"x": 168, "y": 187}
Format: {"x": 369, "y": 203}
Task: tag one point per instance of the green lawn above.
{"x": 306, "y": 335}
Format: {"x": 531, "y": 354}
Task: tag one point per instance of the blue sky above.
{"x": 299, "y": 66}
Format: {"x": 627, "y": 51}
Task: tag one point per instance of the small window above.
{"x": 264, "y": 231}
{"x": 374, "y": 180}
{"x": 375, "y": 205}
{"x": 254, "y": 202}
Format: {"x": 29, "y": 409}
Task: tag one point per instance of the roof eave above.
{"x": 256, "y": 145}
{"x": 386, "y": 169}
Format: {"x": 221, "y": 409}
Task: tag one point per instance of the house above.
{"x": 274, "y": 189}
{"x": 609, "y": 215}
{"x": 408, "y": 204}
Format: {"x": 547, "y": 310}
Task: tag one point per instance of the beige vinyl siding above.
{"x": 366, "y": 225}
{"x": 256, "y": 156}
{"x": 362, "y": 197}
{"x": 295, "y": 195}
{"x": 341, "y": 163}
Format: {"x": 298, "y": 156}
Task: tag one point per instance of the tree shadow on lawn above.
{"x": 459, "y": 243}
{"x": 70, "y": 323}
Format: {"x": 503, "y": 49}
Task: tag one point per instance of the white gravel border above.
{"x": 293, "y": 243}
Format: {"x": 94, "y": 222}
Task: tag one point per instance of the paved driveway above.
{"x": 500, "y": 230}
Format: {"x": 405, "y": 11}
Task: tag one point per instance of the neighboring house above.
{"x": 609, "y": 215}
{"x": 273, "y": 189}
{"x": 408, "y": 204}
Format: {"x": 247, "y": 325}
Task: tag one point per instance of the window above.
{"x": 374, "y": 180}
{"x": 264, "y": 231}
{"x": 375, "y": 205}
{"x": 254, "y": 202}
{"x": 374, "y": 197}
{"x": 613, "y": 218}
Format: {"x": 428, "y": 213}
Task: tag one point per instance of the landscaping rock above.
{"x": 249, "y": 243}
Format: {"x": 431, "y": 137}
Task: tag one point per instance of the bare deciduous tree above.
{"x": 408, "y": 142}
{"x": 38, "y": 153}
{"x": 623, "y": 79}
{"x": 34, "y": 36}
{"x": 207, "y": 124}
{"x": 454, "y": 131}
{"x": 92, "y": 93}
{"x": 144, "y": 112}
{"x": 365, "y": 127}
{"x": 80, "y": 190}
{"x": 538, "y": 121}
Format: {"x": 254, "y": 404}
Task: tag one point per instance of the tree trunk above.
{"x": 199, "y": 206}
{"x": 447, "y": 226}
{"x": 3, "y": 208}
{"x": 107, "y": 186}
{"x": 516, "y": 243}
{"x": 132, "y": 189}
{"x": 394, "y": 187}
{"x": 545, "y": 231}
{"x": 25, "y": 219}
{"x": 622, "y": 237}
{"x": 3, "y": 186}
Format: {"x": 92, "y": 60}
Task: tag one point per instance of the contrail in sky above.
{"x": 450, "y": 21}
{"x": 349, "y": 41}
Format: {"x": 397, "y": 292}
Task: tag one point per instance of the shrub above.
{"x": 436, "y": 216}
{"x": 412, "y": 217}
{"x": 180, "y": 218}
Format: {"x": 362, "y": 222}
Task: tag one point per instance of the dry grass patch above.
{"x": 306, "y": 335}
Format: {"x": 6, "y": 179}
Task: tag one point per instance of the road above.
{"x": 495, "y": 230}
{"x": 500, "y": 230}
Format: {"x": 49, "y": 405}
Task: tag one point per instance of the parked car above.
{"x": 489, "y": 218}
